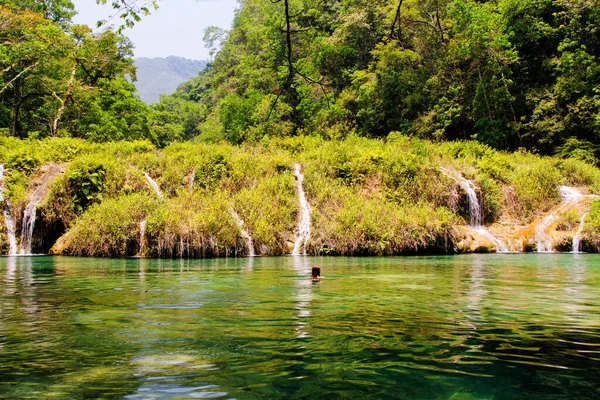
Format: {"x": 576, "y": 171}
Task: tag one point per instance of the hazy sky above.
{"x": 176, "y": 28}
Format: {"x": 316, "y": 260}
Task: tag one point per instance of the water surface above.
{"x": 461, "y": 327}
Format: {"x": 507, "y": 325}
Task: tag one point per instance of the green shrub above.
{"x": 535, "y": 187}
{"x": 568, "y": 221}
{"x": 354, "y": 224}
{"x": 111, "y": 228}
{"x": 269, "y": 211}
{"x": 192, "y": 225}
{"x": 591, "y": 231}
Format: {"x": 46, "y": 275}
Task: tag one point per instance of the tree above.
{"x": 58, "y": 11}
{"x": 69, "y": 83}
{"x": 31, "y": 62}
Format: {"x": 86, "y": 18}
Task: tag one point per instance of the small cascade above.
{"x": 542, "y": 239}
{"x": 577, "y": 237}
{"x": 570, "y": 196}
{"x": 191, "y": 183}
{"x": 501, "y": 247}
{"x": 29, "y": 215}
{"x": 475, "y": 210}
{"x": 244, "y": 233}
{"x": 304, "y": 224}
{"x": 28, "y": 224}
{"x": 8, "y": 218}
{"x": 10, "y": 230}
{"x": 154, "y": 185}
{"x": 142, "y": 237}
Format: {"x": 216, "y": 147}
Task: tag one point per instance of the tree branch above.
{"x": 19, "y": 75}
{"x": 397, "y": 19}
{"x": 290, "y": 65}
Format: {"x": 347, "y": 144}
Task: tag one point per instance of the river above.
{"x": 511, "y": 326}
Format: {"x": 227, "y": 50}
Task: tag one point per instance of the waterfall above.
{"x": 244, "y": 233}
{"x": 569, "y": 196}
{"x": 304, "y": 224}
{"x": 192, "y": 177}
{"x": 8, "y": 218}
{"x": 542, "y": 239}
{"x": 142, "y": 237}
{"x": 29, "y": 215}
{"x": 501, "y": 247}
{"x": 154, "y": 185}
{"x": 475, "y": 210}
{"x": 27, "y": 228}
{"x": 577, "y": 237}
{"x": 10, "y": 230}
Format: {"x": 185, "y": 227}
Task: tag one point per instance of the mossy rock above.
{"x": 58, "y": 248}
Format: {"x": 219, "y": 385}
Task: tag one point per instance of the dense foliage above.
{"x": 506, "y": 73}
{"x": 60, "y": 79}
{"x": 510, "y": 74}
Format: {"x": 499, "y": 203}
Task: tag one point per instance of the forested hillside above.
{"x": 156, "y": 76}
{"x": 511, "y": 74}
{"x": 508, "y": 73}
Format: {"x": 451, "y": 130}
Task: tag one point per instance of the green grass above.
{"x": 367, "y": 196}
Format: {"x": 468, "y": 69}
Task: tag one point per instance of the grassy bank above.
{"x": 367, "y": 196}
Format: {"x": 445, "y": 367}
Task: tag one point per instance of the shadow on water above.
{"x": 456, "y": 327}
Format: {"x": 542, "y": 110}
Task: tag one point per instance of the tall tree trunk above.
{"x": 487, "y": 103}
{"x": 63, "y": 101}
{"x": 15, "y": 128}
{"x": 397, "y": 19}
{"x": 439, "y": 23}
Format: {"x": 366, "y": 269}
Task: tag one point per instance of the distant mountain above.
{"x": 156, "y": 76}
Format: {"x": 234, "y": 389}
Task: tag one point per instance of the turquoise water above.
{"x": 461, "y": 327}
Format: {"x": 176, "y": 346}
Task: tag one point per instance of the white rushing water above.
{"x": 142, "y": 237}
{"x": 191, "y": 183}
{"x": 577, "y": 237}
{"x": 570, "y": 197}
{"x": 304, "y": 224}
{"x": 154, "y": 185}
{"x": 244, "y": 232}
{"x": 569, "y": 194}
{"x": 475, "y": 210}
{"x": 10, "y": 230}
{"x": 8, "y": 218}
{"x": 501, "y": 247}
{"x": 29, "y": 215}
{"x": 27, "y": 228}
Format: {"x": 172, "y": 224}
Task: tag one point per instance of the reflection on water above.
{"x": 464, "y": 327}
{"x": 303, "y": 294}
